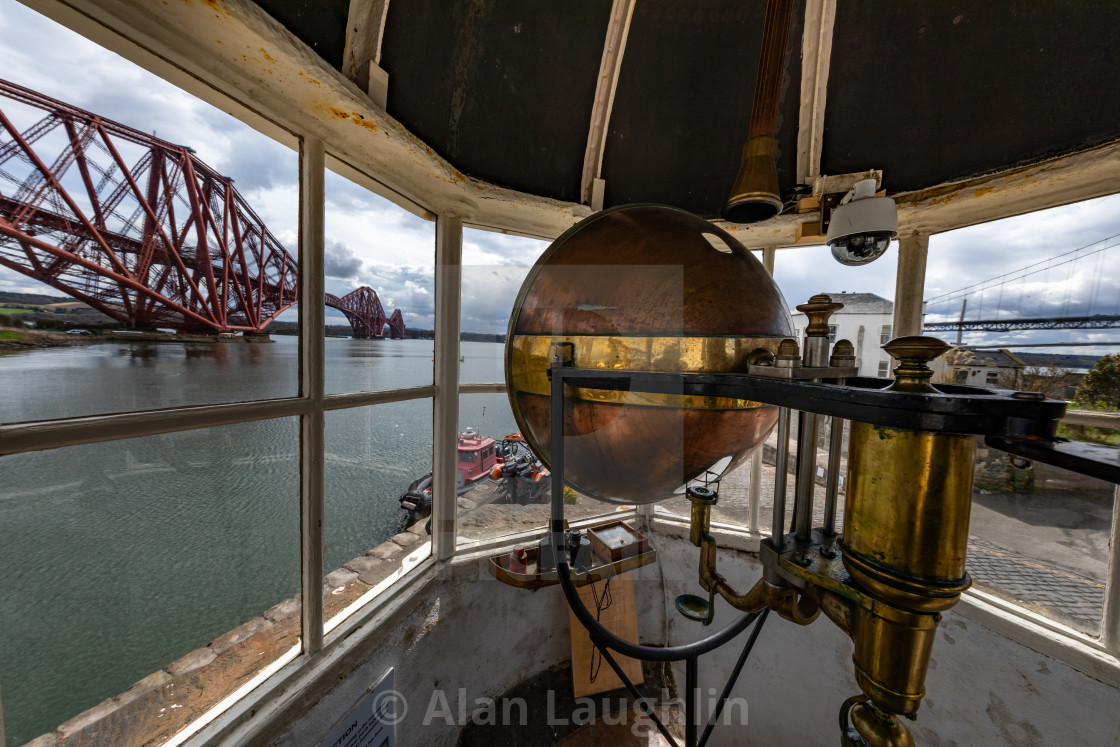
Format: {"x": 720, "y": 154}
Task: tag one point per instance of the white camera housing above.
{"x": 862, "y": 225}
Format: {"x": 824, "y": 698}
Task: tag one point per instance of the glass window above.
{"x": 125, "y": 558}
{"x": 1039, "y": 535}
{"x": 885, "y": 334}
{"x": 379, "y": 464}
{"x": 221, "y": 281}
{"x": 960, "y": 376}
{"x": 991, "y": 378}
{"x": 519, "y": 499}
{"x": 380, "y": 283}
{"x": 884, "y": 368}
{"x": 494, "y": 268}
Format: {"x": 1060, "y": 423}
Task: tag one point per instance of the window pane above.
{"x": 517, "y": 501}
{"x": 380, "y": 285}
{"x": 178, "y": 294}
{"x": 1039, "y": 535}
{"x": 118, "y": 559}
{"x": 494, "y": 268}
{"x": 867, "y": 293}
{"x": 373, "y": 456}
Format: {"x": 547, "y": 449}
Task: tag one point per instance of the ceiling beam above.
{"x": 1094, "y": 172}
{"x": 236, "y": 57}
{"x": 1063, "y": 180}
{"x": 361, "y": 60}
{"x": 816, "y": 54}
{"x": 607, "y": 83}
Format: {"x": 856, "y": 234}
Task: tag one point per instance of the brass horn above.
{"x": 754, "y": 196}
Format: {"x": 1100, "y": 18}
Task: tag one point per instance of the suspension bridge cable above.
{"x": 948, "y": 296}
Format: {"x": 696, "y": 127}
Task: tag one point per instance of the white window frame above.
{"x": 152, "y": 35}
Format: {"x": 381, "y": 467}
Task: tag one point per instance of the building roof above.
{"x": 1001, "y": 358}
{"x": 858, "y": 303}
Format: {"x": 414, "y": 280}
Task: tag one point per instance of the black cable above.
{"x": 601, "y": 635}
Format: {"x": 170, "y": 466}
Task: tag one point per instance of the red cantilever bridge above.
{"x": 141, "y": 229}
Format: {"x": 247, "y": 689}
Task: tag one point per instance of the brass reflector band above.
{"x": 530, "y": 357}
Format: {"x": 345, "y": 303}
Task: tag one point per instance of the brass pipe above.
{"x": 754, "y": 195}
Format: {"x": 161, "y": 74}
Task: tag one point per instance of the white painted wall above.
{"x": 862, "y": 330}
{"x": 470, "y": 631}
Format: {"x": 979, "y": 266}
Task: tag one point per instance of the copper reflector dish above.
{"x": 645, "y": 288}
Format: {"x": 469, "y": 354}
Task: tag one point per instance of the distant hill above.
{"x": 1059, "y": 360}
{"x": 33, "y": 299}
{"x": 344, "y": 330}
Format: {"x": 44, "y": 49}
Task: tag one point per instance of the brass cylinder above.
{"x": 891, "y": 655}
{"x": 906, "y": 514}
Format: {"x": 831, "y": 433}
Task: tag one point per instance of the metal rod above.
{"x": 556, "y": 438}
{"x": 778, "y": 525}
{"x": 642, "y": 702}
{"x": 732, "y": 679}
{"x": 690, "y": 705}
{"x": 807, "y": 427}
{"x": 832, "y": 484}
{"x": 755, "y": 490}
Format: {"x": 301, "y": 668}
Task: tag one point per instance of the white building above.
{"x": 865, "y": 320}
{"x": 980, "y": 367}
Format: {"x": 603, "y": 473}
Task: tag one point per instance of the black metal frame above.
{"x": 1010, "y": 421}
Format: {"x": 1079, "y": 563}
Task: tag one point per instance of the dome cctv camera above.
{"x": 862, "y": 225}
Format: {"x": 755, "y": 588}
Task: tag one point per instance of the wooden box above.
{"x": 615, "y": 541}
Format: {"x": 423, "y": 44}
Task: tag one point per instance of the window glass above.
{"x": 380, "y": 286}
{"x": 376, "y": 457}
{"x": 191, "y": 322}
{"x": 733, "y": 487}
{"x": 519, "y": 499}
{"x": 1039, "y": 535}
{"x": 885, "y": 334}
{"x": 802, "y": 272}
{"x": 494, "y": 267}
{"x": 884, "y": 368}
{"x": 126, "y": 558}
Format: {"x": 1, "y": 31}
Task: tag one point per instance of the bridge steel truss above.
{"x": 163, "y": 242}
{"x": 366, "y": 315}
{"x": 1099, "y": 321}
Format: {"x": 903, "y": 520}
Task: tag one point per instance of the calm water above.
{"x": 116, "y": 559}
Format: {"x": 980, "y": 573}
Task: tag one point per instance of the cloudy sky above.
{"x": 371, "y": 242}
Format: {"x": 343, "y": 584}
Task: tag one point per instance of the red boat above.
{"x": 477, "y": 456}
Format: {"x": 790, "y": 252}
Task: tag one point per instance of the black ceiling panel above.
{"x": 502, "y": 90}
{"x": 320, "y": 24}
{"x": 933, "y": 91}
{"x": 683, "y": 106}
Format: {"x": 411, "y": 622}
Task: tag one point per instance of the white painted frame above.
{"x": 295, "y": 98}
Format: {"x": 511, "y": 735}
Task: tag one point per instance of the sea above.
{"x": 118, "y": 558}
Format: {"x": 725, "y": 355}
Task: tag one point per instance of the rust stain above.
{"x": 267, "y": 56}
{"x": 354, "y": 117}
